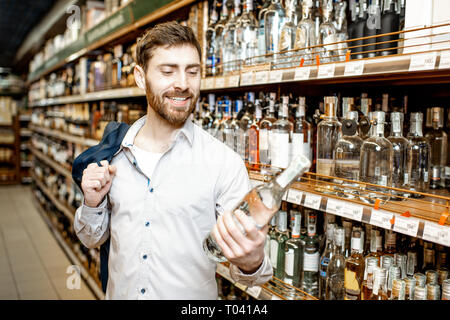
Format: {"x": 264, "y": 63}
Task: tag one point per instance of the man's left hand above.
{"x": 244, "y": 251}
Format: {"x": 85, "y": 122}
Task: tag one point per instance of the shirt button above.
{"x": 151, "y": 190}
{"x": 147, "y": 224}
{"x": 142, "y": 291}
{"x": 99, "y": 213}
{"x": 144, "y": 256}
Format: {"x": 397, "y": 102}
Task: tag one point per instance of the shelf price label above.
{"x": 294, "y": 196}
{"x": 220, "y": 82}
{"x": 233, "y": 81}
{"x": 334, "y": 206}
{"x": 423, "y": 61}
{"x": 408, "y": 226}
{"x": 302, "y": 73}
{"x": 354, "y": 68}
{"x": 261, "y": 77}
{"x": 436, "y": 233}
{"x": 326, "y": 70}
{"x": 445, "y": 60}
{"x": 209, "y": 83}
{"x": 275, "y": 76}
{"x": 381, "y": 218}
{"x": 312, "y": 201}
{"x": 352, "y": 211}
{"x": 254, "y": 291}
{"x": 247, "y": 79}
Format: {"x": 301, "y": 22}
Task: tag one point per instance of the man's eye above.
{"x": 194, "y": 73}
{"x": 167, "y": 73}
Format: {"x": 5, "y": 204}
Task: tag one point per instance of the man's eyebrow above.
{"x": 174, "y": 65}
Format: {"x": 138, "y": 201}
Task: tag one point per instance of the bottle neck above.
{"x": 377, "y": 130}
{"x": 397, "y": 128}
{"x": 416, "y": 128}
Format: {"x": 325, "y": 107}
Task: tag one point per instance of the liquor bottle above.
{"x": 354, "y": 268}
{"x": 361, "y": 21}
{"x": 306, "y": 34}
{"x": 438, "y": 142}
{"x": 218, "y": 118}
{"x": 433, "y": 292}
{"x": 376, "y": 160}
{"x": 282, "y": 237}
{"x": 412, "y": 259}
{"x": 372, "y": 28}
{"x": 347, "y": 153}
{"x": 398, "y": 290}
{"x": 261, "y": 32}
{"x": 376, "y": 245}
{"x": 420, "y": 293}
{"x": 243, "y": 127}
{"x": 317, "y": 17}
{"x": 420, "y": 155}
{"x": 310, "y": 275}
{"x": 210, "y": 34}
{"x": 274, "y": 19}
{"x": 446, "y": 289}
{"x": 335, "y": 289}
{"x": 327, "y": 35}
{"x": 219, "y": 31}
{"x": 325, "y": 259}
{"x": 273, "y": 247}
{"x": 265, "y": 135}
{"x": 390, "y": 243}
{"x": 348, "y": 225}
{"x": 208, "y": 117}
{"x": 231, "y": 51}
{"x": 401, "y": 25}
{"x": 428, "y": 263}
{"x": 235, "y": 125}
{"x": 328, "y": 134}
{"x": 367, "y": 283}
{"x": 389, "y": 24}
{"x": 270, "y": 236}
{"x": 281, "y": 136}
{"x": 379, "y": 291}
{"x": 294, "y": 250}
{"x": 409, "y": 288}
{"x": 301, "y": 137}
{"x": 262, "y": 202}
{"x": 402, "y": 163}
{"x": 394, "y": 273}
{"x": 247, "y": 34}
{"x": 253, "y": 137}
{"x": 226, "y": 134}
{"x": 287, "y": 39}
{"x": 447, "y": 166}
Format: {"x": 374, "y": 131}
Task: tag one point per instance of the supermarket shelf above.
{"x": 52, "y": 163}
{"x": 92, "y": 96}
{"x": 27, "y": 179}
{"x": 71, "y": 255}
{"x": 64, "y": 136}
{"x": 24, "y": 117}
{"x": 25, "y": 133}
{"x": 69, "y": 213}
{"x": 405, "y": 67}
{"x": 272, "y": 290}
{"x": 26, "y": 164}
{"x": 393, "y": 215}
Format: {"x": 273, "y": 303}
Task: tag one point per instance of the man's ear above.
{"x": 139, "y": 77}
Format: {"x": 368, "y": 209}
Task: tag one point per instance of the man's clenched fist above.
{"x": 96, "y": 182}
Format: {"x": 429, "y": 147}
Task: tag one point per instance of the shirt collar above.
{"x": 187, "y": 130}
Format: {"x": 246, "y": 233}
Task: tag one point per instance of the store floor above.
{"x": 32, "y": 264}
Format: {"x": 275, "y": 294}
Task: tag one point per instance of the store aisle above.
{"x": 32, "y": 264}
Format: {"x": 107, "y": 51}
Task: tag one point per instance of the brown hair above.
{"x": 166, "y": 34}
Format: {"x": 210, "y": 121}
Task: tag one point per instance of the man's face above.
{"x": 173, "y": 82}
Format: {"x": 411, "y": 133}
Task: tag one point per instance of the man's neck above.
{"x": 156, "y": 134}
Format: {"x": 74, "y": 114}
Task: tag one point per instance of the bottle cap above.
{"x": 330, "y": 106}
{"x": 416, "y": 116}
{"x": 394, "y": 273}
{"x": 421, "y": 279}
{"x": 432, "y": 276}
{"x": 339, "y": 236}
{"x": 387, "y": 261}
{"x": 420, "y": 293}
{"x": 410, "y": 286}
{"x": 433, "y": 292}
{"x": 398, "y": 288}
{"x": 378, "y": 116}
{"x": 442, "y": 275}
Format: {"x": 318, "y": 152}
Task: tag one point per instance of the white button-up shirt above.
{"x": 157, "y": 224}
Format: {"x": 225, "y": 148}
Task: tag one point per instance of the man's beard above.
{"x": 164, "y": 110}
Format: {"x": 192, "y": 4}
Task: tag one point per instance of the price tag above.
{"x": 254, "y": 291}
{"x": 275, "y": 76}
{"x": 285, "y": 195}
{"x": 312, "y": 201}
{"x": 302, "y": 73}
{"x": 261, "y": 77}
{"x": 354, "y": 68}
{"x": 220, "y": 82}
{"x": 334, "y": 206}
{"x": 294, "y": 196}
{"x": 224, "y": 272}
{"x": 445, "y": 60}
{"x": 247, "y": 79}
{"x": 408, "y": 226}
{"x": 233, "y": 81}
{"x": 352, "y": 211}
{"x": 436, "y": 233}
{"x": 240, "y": 286}
{"x": 423, "y": 61}
{"x": 326, "y": 71}
{"x": 209, "y": 83}
{"x": 381, "y": 218}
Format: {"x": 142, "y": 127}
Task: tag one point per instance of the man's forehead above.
{"x": 184, "y": 54}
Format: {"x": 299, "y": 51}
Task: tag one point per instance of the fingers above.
{"x": 248, "y": 224}
{"x": 96, "y": 177}
{"x": 112, "y": 169}
{"x": 225, "y": 234}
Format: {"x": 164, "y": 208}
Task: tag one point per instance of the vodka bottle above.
{"x": 261, "y": 32}
{"x": 401, "y": 25}
{"x": 247, "y": 33}
{"x": 287, "y": 39}
{"x": 325, "y": 260}
{"x": 354, "y": 268}
{"x": 231, "y": 52}
{"x": 208, "y": 118}
{"x": 273, "y": 244}
{"x": 419, "y": 153}
{"x": 310, "y": 276}
{"x": 282, "y": 237}
{"x": 274, "y": 19}
{"x": 340, "y": 24}
{"x": 354, "y": 12}
{"x": 226, "y": 132}
{"x": 402, "y": 163}
{"x": 327, "y": 35}
{"x": 376, "y": 161}
{"x": 362, "y": 15}
{"x": 211, "y": 59}
{"x": 253, "y": 137}
{"x": 317, "y": 16}
{"x": 328, "y": 134}
{"x": 294, "y": 250}
{"x": 372, "y": 27}
{"x": 234, "y": 126}
{"x": 438, "y": 142}
{"x": 379, "y": 291}
{"x": 218, "y": 117}
{"x": 265, "y": 134}
{"x": 282, "y": 136}
{"x": 301, "y": 137}
{"x": 261, "y": 203}
{"x": 367, "y": 282}
{"x": 335, "y": 289}
{"x": 219, "y": 36}
{"x": 347, "y": 155}
{"x": 242, "y": 138}
{"x": 306, "y": 34}
{"x": 389, "y": 24}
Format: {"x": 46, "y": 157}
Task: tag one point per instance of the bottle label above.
{"x": 380, "y": 129}
{"x": 436, "y": 174}
{"x": 324, "y": 264}
{"x": 356, "y": 244}
{"x": 273, "y": 252}
{"x": 330, "y": 39}
{"x": 383, "y": 180}
{"x": 425, "y": 176}
{"x": 297, "y": 225}
{"x": 289, "y": 263}
{"x": 263, "y": 139}
{"x": 280, "y": 149}
{"x": 352, "y": 285}
{"x": 406, "y": 178}
{"x": 311, "y": 262}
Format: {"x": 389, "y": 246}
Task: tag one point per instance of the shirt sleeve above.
{"x": 91, "y": 225}
{"x": 259, "y": 277}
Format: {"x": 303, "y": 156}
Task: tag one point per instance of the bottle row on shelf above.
{"x": 334, "y": 258}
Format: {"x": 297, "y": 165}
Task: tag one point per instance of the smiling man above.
{"x": 156, "y": 200}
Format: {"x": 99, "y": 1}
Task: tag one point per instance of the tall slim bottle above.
{"x": 301, "y": 137}
{"x": 377, "y": 156}
{"x": 273, "y": 244}
{"x": 372, "y": 28}
{"x": 265, "y": 135}
{"x": 306, "y": 34}
{"x": 282, "y": 136}
{"x": 389, "y": 24}
{"x": 310, "y": 276}
{"x": 287, "y": 39}
{"x": 219, "y": 34}
{"x": 438, "y": 142}
{"x": 261, "y": 202}
{"x": 282, "y": 237}
{"x": 379, "y": 291}
{"x": 253, "y": 137}
{"x": 247, "y": 34}
{"x": 325, "y": 260}
{"x": 328, "y": 134}
{"x": 354, "y": 268}
{"x": 362, "y": 14}
{"x": 340, "y": 24}
{"x": 335, "y": 289}
{"x": 274, "y": 19}
{"x": 294, "y": 250}
{"x": 211, "y": 59}
{"x": 261, "y": 32}
{"x": 327, "y": 35}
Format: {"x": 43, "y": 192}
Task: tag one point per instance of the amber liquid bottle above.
{"x": 354, "y": 268}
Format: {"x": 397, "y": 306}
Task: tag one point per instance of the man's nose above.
{"x": 181, "y": 81}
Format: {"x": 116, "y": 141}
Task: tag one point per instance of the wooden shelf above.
{"x": 52, "y": 163}
{"x": 64, "y": 136}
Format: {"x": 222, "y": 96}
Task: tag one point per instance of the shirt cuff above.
{"x": 93, "y": 215}
{"x": 259, "y": 277}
